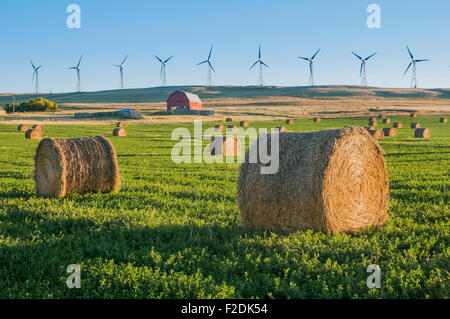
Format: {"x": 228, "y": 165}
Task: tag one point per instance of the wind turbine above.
{"x": 162, "y": 74}
{"x": 311, "y": 71}
{"x": 413, "y": 63}
{"x": 121, "y": 67}
{"x": 261, "y": 63}
{"x": 210, "y": 67}
{"x": 35, "y": 78}
{"x": 77, "y": 67}
{"x": 362, "y": 71}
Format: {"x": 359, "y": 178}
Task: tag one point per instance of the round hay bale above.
{"x": 281, "y": 128}
{"x": 386, "y": 121}
{"x": 232, "y": 128}
{"x": 415, "y": 125}
{"x": 23, "y": 128}
{"x": 376, "y": 134}
{"x": 243, "y": 123}
{"x": 228, "y": 119}
{"x": 33, "y": 134}
{"x": 121, "y": 124}
{"x": 373, "y": 123}
{"x": 225, "y": 145}
{"x": 289, "y": 121}
{"x": 443, "y": 120}
{"x": 317, "y": 119}
{"x": 389, "y": 131}
{"x": 219, "y": 127}
{"x": 330, "y": 181}
{"x": 422, "y": 133}
{"x": 381, "y": 116}
{"x": 119, "y": 132}
{"x": 38, "y": 127}
{"x": 75, "y": 165}
{"x": 413, "y": 114}
{"x": 370, "y": 128}
{"x": 373, "y": 118}
{"x": 398, "y": 125}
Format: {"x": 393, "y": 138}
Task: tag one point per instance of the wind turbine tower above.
{"x": 311, "y": 70}
{"x": 210, "y": 67}
{"x": 162, "y": 74}
{"x": 77, "y": 67}
{"x": 121, "y": 68}
{"x": 261, "y": 63}
{"x": 413, "y": 63}
{"x": 35, "y": 78}
{"x": 362, "y": 71}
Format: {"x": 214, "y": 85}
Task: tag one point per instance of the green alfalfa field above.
{"x": 174, "y": 231}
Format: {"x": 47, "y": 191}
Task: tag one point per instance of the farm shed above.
{"x": 180, "y": 100}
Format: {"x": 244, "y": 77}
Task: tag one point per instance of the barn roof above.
{"x": 192, "y": 97}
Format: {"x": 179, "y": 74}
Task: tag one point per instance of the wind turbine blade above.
{"x": 306, "y": 59}
{"x": 38, "y": 67}
{"x": 423, "y": 60}
{"x": 210, "y": 65}
{"x": 360, "y": 71}
{"x": 357, "y": 55}
{"x": 210, "y": 50}
{"x": 78, "y": 74}
{"x": 79, "y": 61}
{"x": 168, "y": 59}
{"x": 315, "y": 54}
{"x": 32, "y": 64}
{"x": 409, "y": 51}
{"x": 370, "y": 56}
{"x": 124, "y": 60}
{"x": 409, "y": 65}
{"x": 117, "y": 65}
{"x": 73, "y": 68}
{"x": 32, "y": 79}
{"x": 264, "y": 64}
{"x": 202, "y": 62}
{"x": 158, "y": 59}
{"x": 160, "y": 73}
{"x": 259, "y": 52}
{"x": 253, "y": 65}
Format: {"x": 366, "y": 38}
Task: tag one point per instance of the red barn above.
{"x": 181, "y": 100}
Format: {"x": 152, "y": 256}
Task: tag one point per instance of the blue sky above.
{"x": 286, "y": 29}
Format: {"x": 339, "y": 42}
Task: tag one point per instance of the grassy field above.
{"x": 174, "y": 231}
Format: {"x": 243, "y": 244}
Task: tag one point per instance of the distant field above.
{"x": 241, "y": 103}
{"x": 174, "y": 231}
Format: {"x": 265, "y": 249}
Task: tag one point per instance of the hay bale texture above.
{"x": 317, "y": 119}
{"x": 389, "y": 131}
{"x": 225, "y": 145}
{"x": 219, "y": 127}
{"x": 121, "y": 124}
{"x": 422, "y": 133}
{"x": 329, "y": 181}
{"x": 119, "y": 132}
{"x": 413, "y": 114}
{"x": 381, "y": 116}
{"x": 243, "y": 123}
{"x": 281, "y": 128}
{"x": 373, "y": 122}
{"x": 228, "y": 119}
{"x": 398, "y": 125}
{"x": 33, "y": 134}
{"x": 38, "y": 127}
{"x": 23, "y": 128}
{"x": 75, "y": 165}
{"x": 386, "y": 121}
{"x": 232, "y": 128}
{"x": 376, "y": 134}
{"x": 415, "y": 125}
{"x": 289, "y": 121}
{"x": 443, "y": 120}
